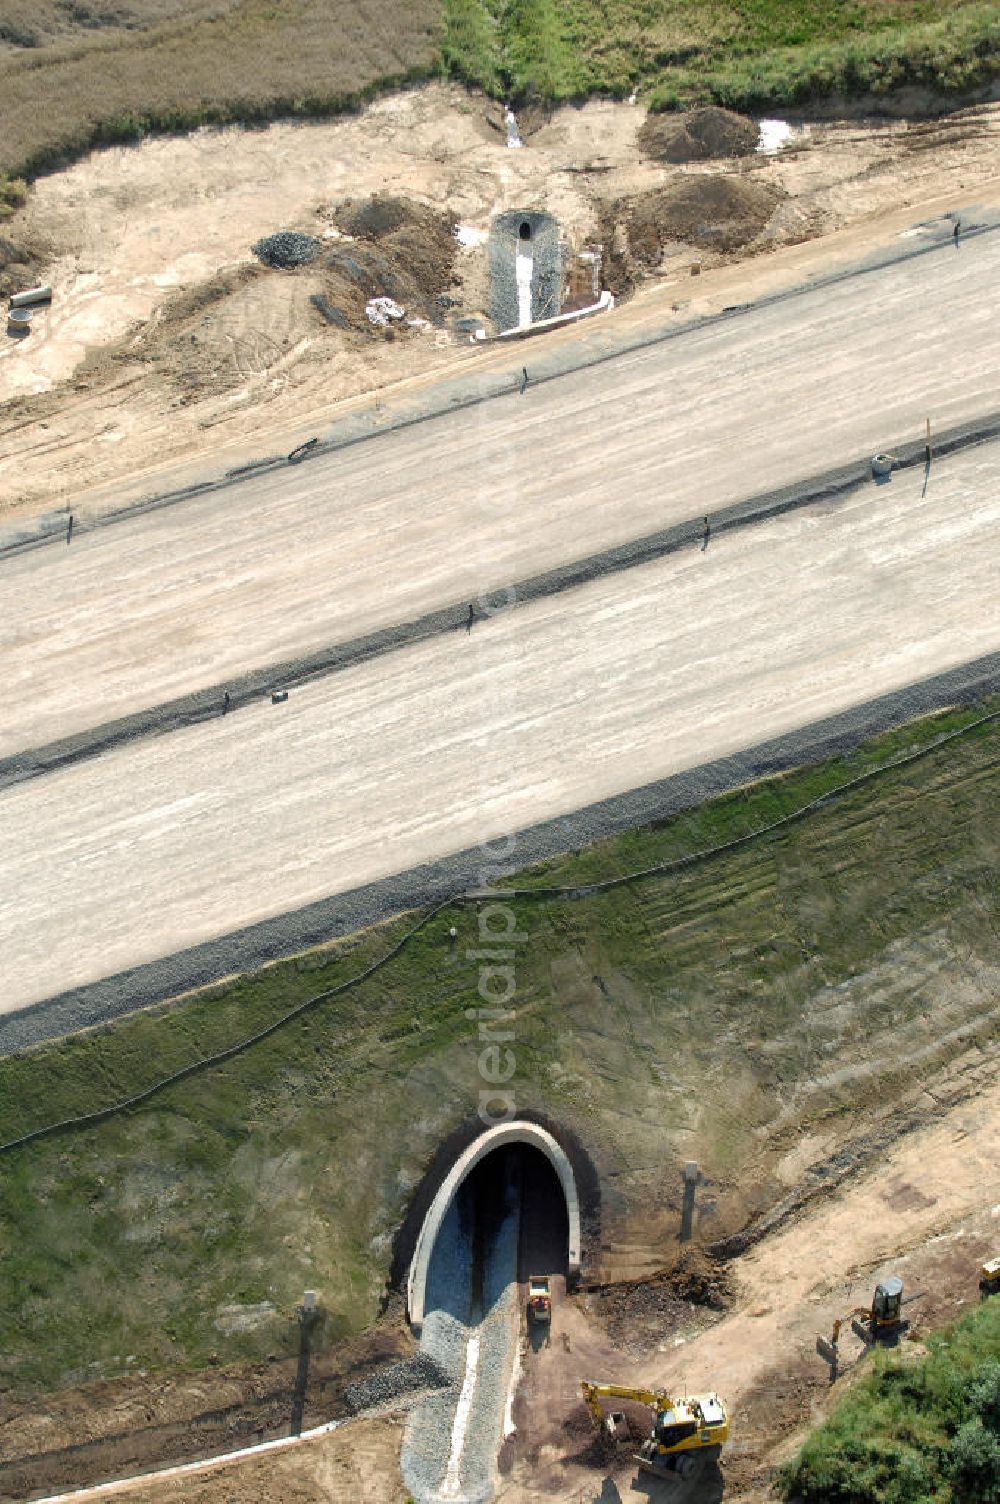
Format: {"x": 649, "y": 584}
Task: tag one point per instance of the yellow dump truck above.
{"x": 539, "y": 1299}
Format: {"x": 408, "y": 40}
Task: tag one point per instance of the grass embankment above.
{"x": 747, "y": 54}
{"x": 914, "y": 1432}
{"x": 678, "y": 1017}
{"x": 74, "y": 76}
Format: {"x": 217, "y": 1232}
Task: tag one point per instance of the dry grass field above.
{"x": 77, "y": 74}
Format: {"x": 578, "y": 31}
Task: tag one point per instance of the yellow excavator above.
{"x": 686, "y": 1434}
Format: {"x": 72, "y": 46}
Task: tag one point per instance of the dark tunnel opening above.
{"x": 508, "y": 1221}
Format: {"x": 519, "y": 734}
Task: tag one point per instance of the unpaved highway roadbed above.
{"x": 165, "y": 843}
{"x": 160, "y": 605}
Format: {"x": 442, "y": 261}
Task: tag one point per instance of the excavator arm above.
{"x": 594, "y": 1393}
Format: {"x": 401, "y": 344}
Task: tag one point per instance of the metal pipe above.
{"x": 31, "y": 296}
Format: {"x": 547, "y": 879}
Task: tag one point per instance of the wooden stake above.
{"x": 928, "y": 441}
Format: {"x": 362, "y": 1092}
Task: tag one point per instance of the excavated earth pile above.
{"x": 392, "y": 248}
{"x": 698, "y": 135}
{"x": 717, "y": 213}
{"x": 638, "y": 1313}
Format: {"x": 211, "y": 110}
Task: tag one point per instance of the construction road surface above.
{"x": 165, "y": 603}
{"x": 165, "y": 842}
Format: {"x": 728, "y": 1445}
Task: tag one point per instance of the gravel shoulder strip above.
{"x": 245, "y": 949}
{"x": 249, "y": 688}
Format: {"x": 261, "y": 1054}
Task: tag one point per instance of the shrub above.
{"x": 982, "y": 1395}
{"x": 13, "y": 193}
{"x": 974, "y": 1464}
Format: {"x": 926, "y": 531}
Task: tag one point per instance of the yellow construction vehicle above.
{"x": 884, "y": 1319}
{"x": 686, "y": 1435}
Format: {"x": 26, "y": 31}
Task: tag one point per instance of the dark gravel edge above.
{"x": 341, "y": 914}
{"x": 249, "y": 688}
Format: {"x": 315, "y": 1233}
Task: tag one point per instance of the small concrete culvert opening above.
{"x": 525, "y": 265}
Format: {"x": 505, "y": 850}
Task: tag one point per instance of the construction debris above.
{"x": 380, "y": 310}
{"x": 335, "y": 316}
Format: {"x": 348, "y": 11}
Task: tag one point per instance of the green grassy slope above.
{"x": 749, "y": 54}
{"x": 924, "y": 1432}
{"x": 693, "y": 1015}
{"x": 67, "y": 85}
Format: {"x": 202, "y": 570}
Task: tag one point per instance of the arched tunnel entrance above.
{"x": 509, "y": 1208}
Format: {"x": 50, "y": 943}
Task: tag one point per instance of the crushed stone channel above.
{"x": 470, "y": 1333}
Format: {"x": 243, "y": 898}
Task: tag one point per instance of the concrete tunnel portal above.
{"x": 529, "y": 1136}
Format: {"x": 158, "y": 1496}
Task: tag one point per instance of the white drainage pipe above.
{"x": 523, "y": 265}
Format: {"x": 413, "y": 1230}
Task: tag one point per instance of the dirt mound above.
{"x": 698, "y": 135}
{"x": 401, "y": 250}
{"x": 718, "y": 213}
{"x": 383, "y": 215}
{"x": 638, "y": 1313}
{"x": 20, "y": 265}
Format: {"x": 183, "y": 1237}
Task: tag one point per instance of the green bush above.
{"x": 982, "y": 1395}
{"x": 13, "y": 193}
{"x": 924, "y": 1432}
{"x": 974, "y": 1464}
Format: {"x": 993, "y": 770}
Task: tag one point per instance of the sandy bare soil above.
{"x": 112, "y": 381}
{"x": 360, "y": 1464}
{"x": 467, "y": 737}
{"x": 929, "y": 1213}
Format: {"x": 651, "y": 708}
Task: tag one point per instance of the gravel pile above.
{"x": 397, "y": 1381}
{"x": 546, "y": 272}
{"x": 287, "y": 248}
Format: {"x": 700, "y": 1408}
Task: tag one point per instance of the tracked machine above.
{"x": 883, "y": 1320}
{"x": 687, "y": 1434}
